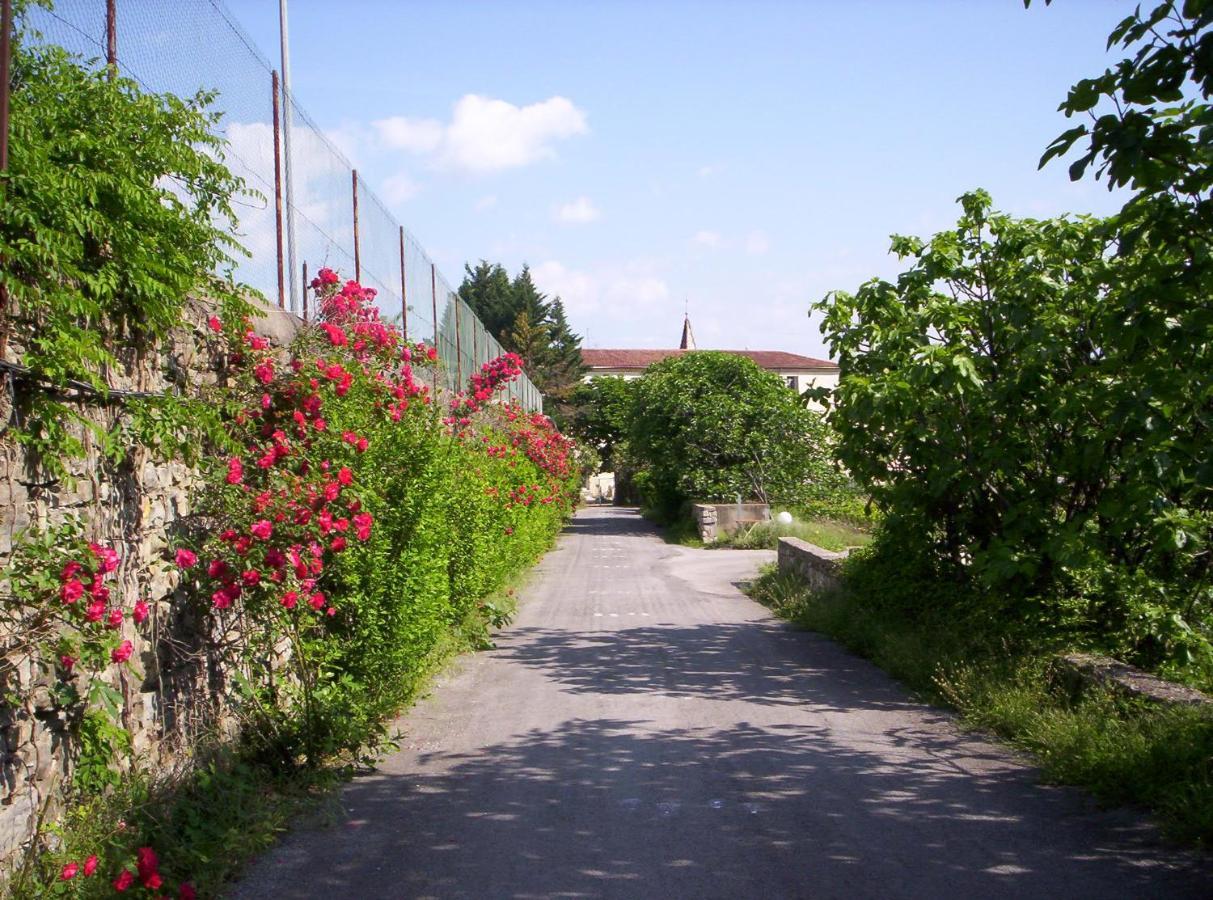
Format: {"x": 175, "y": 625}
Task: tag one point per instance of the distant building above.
{"x": 798, "y": 372}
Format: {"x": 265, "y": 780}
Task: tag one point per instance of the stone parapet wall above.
{"x": 173, "y": 689}
{"x": 715, "y": 520}
{"x": 821, "y": 569}
{"x": 1075, "y": 672}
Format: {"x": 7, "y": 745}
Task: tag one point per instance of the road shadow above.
{"x": 616, "y": 808}
{"x": 611, "y": 521}
{"x": 764, "y": 663}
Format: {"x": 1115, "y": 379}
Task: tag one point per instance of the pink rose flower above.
{"x": 69, "y": 871}
{"x": 122, "y": 652}
{"x": 262, "y": 529}
{"x": 186, "y": 559}
{"x": 71, "y": 591}
{"x": 141, "y": 612}
{"x": 124, "y": 880}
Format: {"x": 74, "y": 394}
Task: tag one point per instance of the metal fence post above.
{"x": 6, "y": 48}
{"x": 111, "y": 37}
{"x": 278, "y": 189}
{"x": 434, "y": 302}
{"x": 357, "y": 255}
{"x": 458, "y": 348}
{"x": 6, "y": 51}
{"x": 304, "y": 290}
{"x": 404, "y": 292}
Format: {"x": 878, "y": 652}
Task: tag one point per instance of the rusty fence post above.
{"x": 404, "y": 291}
{"x": 458, "y": 348}
{"x": 434, "y": 304}
{"x": 278, "y": 189}
{"x": 6, "y": 48}
{"x": 357, "y": 254}
{"x": 111, "y": 38}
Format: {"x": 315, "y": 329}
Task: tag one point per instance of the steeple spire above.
{"x": 688, "y": 337}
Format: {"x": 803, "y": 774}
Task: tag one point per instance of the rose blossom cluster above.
{"x": 82, "y": 589}
{"x": 493, "y": 376}
{"x": 147, "y": 874}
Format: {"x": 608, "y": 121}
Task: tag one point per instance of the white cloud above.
{"x": 399, "y": 188}
{"x": 708, "y": 238}
{"x": 708, "y": 171}
{"x": 486, "y": 202}
{"x": 412, "y": 135}
{"x": 619, "y": 292}
{"x": 757, "y": 243}
{"x": 579, "y": 290}
{"x": 486, "y": 134}
{"x": 579, "y": 212}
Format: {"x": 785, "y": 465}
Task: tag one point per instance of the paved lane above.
{"x": 646, "y": 731}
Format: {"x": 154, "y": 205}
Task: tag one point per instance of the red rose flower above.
{"x": 124, "y": 880}
{"x": 122, "y": 652}
{"x": 71, "y": 591}
{"x": 186, "y": 559}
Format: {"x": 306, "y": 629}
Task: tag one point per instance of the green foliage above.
{"x": 711, "y": 426}
{"x": 114, "y": 210}
{"x": 602, "y": 417}
{"x": 824, "y": 533}
{"x": 992, "y": 402}
{"x": 526, "y": 322}
{"x": 1030, "y": 401}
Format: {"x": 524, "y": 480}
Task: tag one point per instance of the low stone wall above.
{"x": 1075, "y": 672}
{"x": 821, "y": 569}
{"x": 717, "y": 519}
{"x": 174, "y": 689}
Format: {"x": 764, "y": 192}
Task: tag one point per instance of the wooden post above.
{"x": 404, "y": 291}
{"x": 357, "y": 255}
{"x": 278, "y": 190}
{"x": 111, "y": 37}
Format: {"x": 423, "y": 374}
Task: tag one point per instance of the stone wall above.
{"x": 717, "y": 519}
{"x": 821, "y": 569}
{"x": 173, "y": 689}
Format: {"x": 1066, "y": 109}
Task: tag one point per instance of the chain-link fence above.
{"x": 330, "y": 216}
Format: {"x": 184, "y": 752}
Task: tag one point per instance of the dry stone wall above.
{"x": 174, "y": 688}
{"x": 821, "y": 569}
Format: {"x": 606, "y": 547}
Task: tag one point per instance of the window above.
{"x": 793, "y": 382}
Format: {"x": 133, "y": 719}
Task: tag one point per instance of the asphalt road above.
{"x": 644, "y": 730}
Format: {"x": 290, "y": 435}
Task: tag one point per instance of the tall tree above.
{"x": 525, "y": 322}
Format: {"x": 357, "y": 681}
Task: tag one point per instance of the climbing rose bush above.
{"x": 358, "y": 525}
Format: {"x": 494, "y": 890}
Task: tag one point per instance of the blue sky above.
{"x": 743, "y": 158}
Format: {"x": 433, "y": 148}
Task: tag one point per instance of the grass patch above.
{"x": 1125, "y": 753}
{"x": 826, "y": 533}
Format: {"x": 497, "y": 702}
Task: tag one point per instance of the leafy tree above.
{"x": 712, "y": 426}
{"x": 114, "y": 210}
{"x": 1032, "y": 401}
{"x": 602, "y": 416}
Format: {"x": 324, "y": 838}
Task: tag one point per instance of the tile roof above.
{"x": 640, "y": 359}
